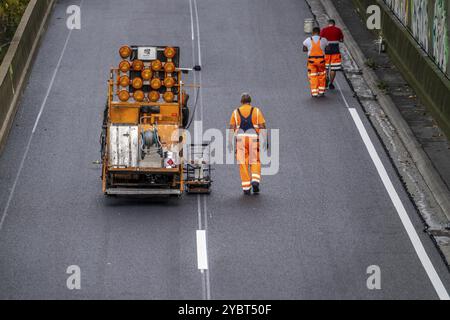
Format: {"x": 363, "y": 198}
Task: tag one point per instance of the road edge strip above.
{"x": 423, "y": 163}
{"x": 14, "y": 70}
{"x": 430, "y": 182}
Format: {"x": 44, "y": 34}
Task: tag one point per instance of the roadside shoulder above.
{"x": 423, "y": 183}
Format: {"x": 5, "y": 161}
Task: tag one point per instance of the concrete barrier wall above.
{"x": 429, "y": 23}
{"x": 15, "y": 67}
{"x": 416, "y": 64}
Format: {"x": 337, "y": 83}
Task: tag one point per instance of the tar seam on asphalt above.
{"x": 396, "y": 201}
{"x": 41, "y": 110}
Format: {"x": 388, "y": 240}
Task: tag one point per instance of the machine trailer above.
{"x": 143, "y": 141}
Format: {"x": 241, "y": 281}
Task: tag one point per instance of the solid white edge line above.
{"x": 202, "y": 254}
{"x": 52, "y": 81}
{"x": 406, "y": 221}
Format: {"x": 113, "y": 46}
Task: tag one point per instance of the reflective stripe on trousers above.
{"x": 248, "y": 158}
{"x": 317, "y": 75}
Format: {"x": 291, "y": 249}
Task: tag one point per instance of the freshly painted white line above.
{"x": 406, "y": 221}
{"x": 192, "y": 21}
{"x": 198, "y": 34}
{"x": 202, "y": 253}
{"x": 41, "y": 109}
{"x": 199, "y": 212}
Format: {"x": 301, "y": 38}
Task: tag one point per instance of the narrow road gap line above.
{"x": 41, "y": 110}
{"x": 205, "y": 212}
{"x": 202, "y": 247}
{"x": 208, "y": 282}
{"x": 406, "y": 221}
{"x": 199, "y": 212}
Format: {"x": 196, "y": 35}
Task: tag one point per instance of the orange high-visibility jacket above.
{"x": 257, "y": 117}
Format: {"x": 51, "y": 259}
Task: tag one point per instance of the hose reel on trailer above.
{"x": 150, "y": 141}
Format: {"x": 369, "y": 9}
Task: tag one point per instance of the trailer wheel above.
{"x": 185, "y": 112}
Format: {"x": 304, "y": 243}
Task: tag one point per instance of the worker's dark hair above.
{"x": 316, "y": 30}
{"x": 246, "y": 98}
{"x": 332, "y": 22}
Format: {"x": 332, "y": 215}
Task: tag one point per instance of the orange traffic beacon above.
{"x": 142, "y": 141}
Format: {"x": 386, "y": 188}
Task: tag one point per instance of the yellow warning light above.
{"x": 137, "y": 83}
{"x": 124, "y": 81}
{"x": 168, "y": 96}
{"x": 156, "y": 65}
{"x": 146, "y": 74}
{"x": 155, "y": 83}
{"x": 124, "y": 95}
{"x": 169, "y": 52}
{"x": 169, "y": 67}
{"x": 124, "y": 66}
{"x": 169, "y": 82}
{"x": 138, "y": 65}
{"x": 153, "y": 96}
{"x": 125, "y": 52}
{"x": 138, "y": 95}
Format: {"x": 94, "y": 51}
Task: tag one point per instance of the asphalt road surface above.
{"x": 319, "y": 223}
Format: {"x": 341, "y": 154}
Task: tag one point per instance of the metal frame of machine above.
{"x": 142, "y": 139}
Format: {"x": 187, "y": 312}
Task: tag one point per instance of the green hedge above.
{"x": 11, "y": 12}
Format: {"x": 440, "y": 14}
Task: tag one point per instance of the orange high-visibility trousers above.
{"x": 248, "y": 158}
{"x": 333, "y": 61}
{"x": 317, "y": 75}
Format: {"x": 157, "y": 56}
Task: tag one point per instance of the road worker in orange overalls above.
{"x": 333, "y": 58}
{"x": 315, "y": 46}
{"x": 247, "y": 123}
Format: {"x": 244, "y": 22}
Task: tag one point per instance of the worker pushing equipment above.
{"x": 333, "y": 58}
{"x": 315, "y": 46}
{"x": 246, "y": 123}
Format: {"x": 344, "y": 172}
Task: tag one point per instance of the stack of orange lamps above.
{"x": 148, "y": 74}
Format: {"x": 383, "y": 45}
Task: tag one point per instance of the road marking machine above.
{"x": 143, "y": 142}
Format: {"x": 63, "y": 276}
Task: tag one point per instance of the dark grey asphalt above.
{"x": 312, "y": 232}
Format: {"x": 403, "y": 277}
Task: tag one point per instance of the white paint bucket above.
{"x": 309, "y": 25}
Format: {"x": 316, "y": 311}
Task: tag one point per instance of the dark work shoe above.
{"x": 255, "y": 186}
{"x": 332, "y": 87}
{"x": 247, "y": 192}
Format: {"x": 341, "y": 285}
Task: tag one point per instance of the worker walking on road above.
{"x": 315, "y": 46}
{"x": 247, "y": 123}
{"x": 333, "y": 59}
